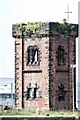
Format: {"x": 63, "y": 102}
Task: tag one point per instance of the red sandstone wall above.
{"x": 51, "y": 76}
{"x": 42, "y": 79}
{"x": 61, "y": 73}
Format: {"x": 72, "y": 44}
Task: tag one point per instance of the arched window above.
{"x": 32, "y": 55}
{"x": 60, "y": 55}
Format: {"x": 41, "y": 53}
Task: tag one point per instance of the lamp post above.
{"x": 73, "y": 66}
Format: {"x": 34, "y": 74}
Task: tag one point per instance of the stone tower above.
{"x": 43, "y": 55}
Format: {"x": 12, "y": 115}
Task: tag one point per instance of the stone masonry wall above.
{"x": 52, "y": 76}
{"x": 61, "y": 73}
{"x": 42, "y": 78}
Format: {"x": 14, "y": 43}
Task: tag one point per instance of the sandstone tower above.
{"x": 43, "y": 55}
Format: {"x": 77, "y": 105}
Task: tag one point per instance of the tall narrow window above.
{"x": 29, "y": 93}
{"x": 35, "y": 62}
{"x": 30, "y": 55}
{"x": 36, "y": 91}
{"x": 33, "y": 55}
{"x": 60, "y": 55}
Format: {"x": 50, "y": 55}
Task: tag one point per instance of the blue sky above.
{"x": 16, "y": 11}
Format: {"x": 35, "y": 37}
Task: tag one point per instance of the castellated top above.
{"x": 44, "y": 29}
{"x": 44, "y": 52}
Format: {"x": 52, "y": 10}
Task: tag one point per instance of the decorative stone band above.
{"x": 44, "y": 29}
{"x": 32, "y": 71}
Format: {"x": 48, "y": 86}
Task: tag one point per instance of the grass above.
{"x": 43, "y": 113}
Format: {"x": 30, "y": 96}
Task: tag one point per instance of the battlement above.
{"x": 37, "y": 29}
{"x": 44, "y": 29}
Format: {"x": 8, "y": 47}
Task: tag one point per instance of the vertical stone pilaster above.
{"x": 18, "y": 73}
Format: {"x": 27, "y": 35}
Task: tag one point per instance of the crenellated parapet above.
{"x": 37, "y": 29}
{"x": 64, "y": 29}
{"x": 44, "y": 29}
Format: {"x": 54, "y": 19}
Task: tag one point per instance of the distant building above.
{"x": 7, "y": 92}
{"x": 44, "y": 53}
{"x": 78, "y": 95}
